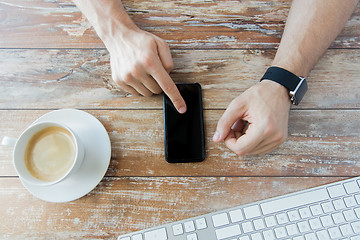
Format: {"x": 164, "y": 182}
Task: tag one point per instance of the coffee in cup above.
{"x": 46, "y": 153}
{"x": 50, "y": 153}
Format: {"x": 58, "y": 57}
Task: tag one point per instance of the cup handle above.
{"x": 8, "y": 141}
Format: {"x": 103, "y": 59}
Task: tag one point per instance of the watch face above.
{"x": 298, "y": 94}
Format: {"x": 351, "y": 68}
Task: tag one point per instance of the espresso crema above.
{"x": 50, "y": 153}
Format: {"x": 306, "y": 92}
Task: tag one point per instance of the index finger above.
{"x": 168, "y": 86}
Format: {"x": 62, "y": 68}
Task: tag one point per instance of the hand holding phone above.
{"x": 184, "y": 133}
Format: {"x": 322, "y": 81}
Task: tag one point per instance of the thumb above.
{"x": 232, "y": 114}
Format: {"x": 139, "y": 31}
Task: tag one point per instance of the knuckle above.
{"x": 169, "y": 89}
{"x": 127, "y": 79}
{"x": 148, "y": 94}
{"x": 137, "y": 72}
{"x": 148, "y": 61}
{"x": 157, "y": 91}
{"x": 169, "y": 66}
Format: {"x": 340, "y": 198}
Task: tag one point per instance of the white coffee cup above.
{"x": 46, "y": 153}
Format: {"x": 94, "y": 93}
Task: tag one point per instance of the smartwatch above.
{"x": 297, "y": 86}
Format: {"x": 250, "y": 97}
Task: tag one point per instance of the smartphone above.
{"x": 184, "y": 133}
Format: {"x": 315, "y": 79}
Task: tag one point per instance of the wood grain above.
{"x": 120, "y": 205}
{"x": 184, "y": 24}
{"x": 50, "y": 79}
{"x": 319, "y": 144}
{"x": 51, "y": 58}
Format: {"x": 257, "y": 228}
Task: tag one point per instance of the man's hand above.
{"x": 256, "y": 122}
{"x": 141, "y": 63}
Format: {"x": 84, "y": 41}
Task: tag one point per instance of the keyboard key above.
{"x": 349, "y": 215}
{"x": 323, "y": 235}
{"x": 256, "y": 236}
{"x": 334, "y": 233}
{"x": 357, "y": 197}
{"x": 304, "y": 226}
{"x": 316, "y": 210}
{"x": 294, "y": 201}
{"x": 356, "y": 226}
{"x": 126, "y": 238}
{"x": 336, "y": 191}
{"x": 338, "y": 218}
{"x": 346, "y": 230}
{"x": 252, "y": 212}
{"x": 339, "y": 204}
{"x": 292, "y": 229}
{"x": 270, "y": 221}
{"x": 177, "y": 229}
{"x": 327, "y": 207}
{"x": 351, "y": 187}
{"x": 158, "y": 234}
{"x": 236, "y": 216}
{"x": 269, "y": 235}
{"x": 305, "y": 213}
{"x": 228, "y": 232}
{"x": 280, "y": 232}
{"x": 201, "y": 223}
{"x": 350, "y": 201}
{"x": 311, "y": 236}
{"x": 315, "y": 223}
{"x": 357, "y": 212}
{"x": 259, "y": 224}
{"x": 282, "y": 218}
{"x": 247, "y": 227}
{"x": 137, "y": 237}
{"x": 189, "y": 226}
{"x": 293, "y": 215}
{"x": 192, "y": 236}
{"x": 326, "y": 221}
{"x": 220, "y": 220}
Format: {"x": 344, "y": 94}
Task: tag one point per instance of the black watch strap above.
{"x": 297, "y": 86}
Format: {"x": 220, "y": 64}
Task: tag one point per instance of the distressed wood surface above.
{"x": 184, "y": 24}
{"x": 120, "y": 205}
{"x": 82, "y": 79}
{"x": 51, "y": 58}
{"x": 319, "y": 144}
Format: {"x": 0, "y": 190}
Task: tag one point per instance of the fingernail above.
{"x": 182, "y": 110}
{"x": 216, "y": 137}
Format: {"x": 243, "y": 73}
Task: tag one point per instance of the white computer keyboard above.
{"x": 327, "y": 212}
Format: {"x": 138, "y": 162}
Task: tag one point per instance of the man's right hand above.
{"x": 141, "y": 63}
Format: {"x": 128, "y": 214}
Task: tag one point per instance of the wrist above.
{"x": 281, "y": 91}
{"x": 113, "y": 29}
{"x": 109, "y": 19}
{"x": 295, "y": 85}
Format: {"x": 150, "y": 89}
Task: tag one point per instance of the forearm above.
{"x": 108, "y": 17}
{"x": 311, "y": 27}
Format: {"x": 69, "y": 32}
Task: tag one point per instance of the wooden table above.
{"x": 51, "y": 58}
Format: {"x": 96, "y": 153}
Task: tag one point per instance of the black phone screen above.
{"x": 184, "y": 133}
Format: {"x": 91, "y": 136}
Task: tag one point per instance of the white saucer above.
{"x": 97, "y": 145}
